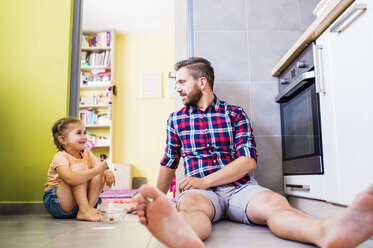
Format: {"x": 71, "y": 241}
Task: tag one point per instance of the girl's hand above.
{"x": 109, "y": 178}
{"x": 103, "y": 165}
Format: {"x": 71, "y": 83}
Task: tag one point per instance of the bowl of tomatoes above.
{"x": 112, "y": 215}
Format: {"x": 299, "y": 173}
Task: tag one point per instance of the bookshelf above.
{"x": 97, "y": 89}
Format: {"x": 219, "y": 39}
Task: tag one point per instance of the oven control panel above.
{"x": 302, "y": 64}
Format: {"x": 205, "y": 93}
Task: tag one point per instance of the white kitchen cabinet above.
{"x": 344, "y": 73}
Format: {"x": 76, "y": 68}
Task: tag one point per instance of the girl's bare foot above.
{"x": 88, "y": 215}
{"x": 354, "y": 226}
{"x": 159, "y": 215}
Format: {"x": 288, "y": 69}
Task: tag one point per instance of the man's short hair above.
{"x": 198, "y": 67}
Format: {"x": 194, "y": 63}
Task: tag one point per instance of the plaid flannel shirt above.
{"x": 209, "y": 140}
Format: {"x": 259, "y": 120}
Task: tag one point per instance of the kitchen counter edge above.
{"x": 321, "y": 23}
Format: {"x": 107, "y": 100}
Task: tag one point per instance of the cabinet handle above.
{"x": 348, "y": 18}
{"x": 319, "y": 69}
{"x": 299, "y": 186}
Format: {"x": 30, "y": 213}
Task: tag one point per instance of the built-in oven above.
{"x": 300, "y": 118}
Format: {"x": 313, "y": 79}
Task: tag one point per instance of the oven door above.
{"x": 301, "y": 132}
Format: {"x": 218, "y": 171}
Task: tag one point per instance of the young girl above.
{"x": 75, "y": 177}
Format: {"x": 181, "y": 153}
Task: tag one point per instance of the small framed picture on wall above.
{"x": 151, "y": 85}
{"x": 171, "y": 84}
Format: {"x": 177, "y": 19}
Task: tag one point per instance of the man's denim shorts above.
{"x": 51, "y": 201}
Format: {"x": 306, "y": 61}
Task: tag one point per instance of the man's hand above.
{"x": 193, "y": 183}
{"x": 109, "y": 178}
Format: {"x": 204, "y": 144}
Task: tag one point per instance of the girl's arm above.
{"x": 77, "y": 177}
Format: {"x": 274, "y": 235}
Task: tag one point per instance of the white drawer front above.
{"x": 313, "y": 186}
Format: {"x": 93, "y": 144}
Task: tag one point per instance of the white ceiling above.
{"x": 129, "y": 16}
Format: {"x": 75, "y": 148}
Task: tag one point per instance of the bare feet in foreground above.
{"x": 353, "y": 226}
{"x": 158, "y": 214}
{"x": 88, "y": 215}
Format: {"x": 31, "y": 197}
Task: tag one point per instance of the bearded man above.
{"x": 217, "y": 144}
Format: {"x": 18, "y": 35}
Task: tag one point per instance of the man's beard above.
{"x": 193, "y": 97}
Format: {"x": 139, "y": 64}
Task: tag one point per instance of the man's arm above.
{"x": 165, "y": 177}
{"x": 233, "y": 171}
{"x": 171, "y": 157}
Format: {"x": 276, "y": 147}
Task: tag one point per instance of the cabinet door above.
{"x": 327, "y": 116}
{"x": 351, "y": 53}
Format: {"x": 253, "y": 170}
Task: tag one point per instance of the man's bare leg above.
{"x": 342, "y": 231}
{"x": 159, "y": 215}
{"x": 198, "y": 211}
{"x": 353, "y": 226}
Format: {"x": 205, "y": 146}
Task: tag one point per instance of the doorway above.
{"x": 138, "y": 123}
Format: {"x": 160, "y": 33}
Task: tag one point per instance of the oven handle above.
{"x": 302, "y": 80}
{"x": 319, "y": 68}
{"x": 299, "y": 187}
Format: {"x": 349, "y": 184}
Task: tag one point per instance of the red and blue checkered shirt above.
{"x": 209, "y": 140}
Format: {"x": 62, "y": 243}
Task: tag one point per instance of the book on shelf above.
{"x": 83, "y": 56}
{"x": 102, "y": 39}
{"x": 99, "y": 40}
{"x": 88, "y": 117}
{"x": 98, "y": 59}
{"x": 94, "y": 118}
{"x": 100, "y": 76}
{"x": 106, "y": 61}
{"x": 108, "y": 39}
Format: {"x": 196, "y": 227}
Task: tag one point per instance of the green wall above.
{"x": 34, "y": 91}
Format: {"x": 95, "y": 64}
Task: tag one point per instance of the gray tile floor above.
{"x": 41, "y": 230}
{"x": 44, "y": 231}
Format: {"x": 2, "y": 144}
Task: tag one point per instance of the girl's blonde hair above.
{"x": 60, "y": 127}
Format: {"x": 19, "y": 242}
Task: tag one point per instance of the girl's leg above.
{"x": 94, "y": 189}
{"x": 66, "y": 196}
{"x": 70, "y": 196}
{"x": 86, "y": 211}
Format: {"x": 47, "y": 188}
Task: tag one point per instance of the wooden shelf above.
{"x": 94, "y": 106}
{"x": 96, "y": 86}
{"x": 97, "y": 126}
{"x": 101, "y": 146}
{"x": 96, "y": 48}
{"x": 99, "y": 67}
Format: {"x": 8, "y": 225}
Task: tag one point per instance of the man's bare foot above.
{"x": 88, "y": 215}
{"x": 159, "y": 215}
{"x": 353, "y": 226}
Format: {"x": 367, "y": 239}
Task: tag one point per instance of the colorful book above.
{"x": 108, "y": 39}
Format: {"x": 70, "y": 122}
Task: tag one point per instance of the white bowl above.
{"x": 112, "y": 215}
